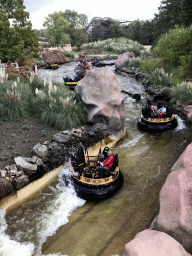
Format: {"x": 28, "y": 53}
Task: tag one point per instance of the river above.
{"x": 56, "y": 222}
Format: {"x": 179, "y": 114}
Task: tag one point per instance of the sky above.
{"x": 118, "y": 10}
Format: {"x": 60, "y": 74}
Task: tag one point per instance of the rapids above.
{"x": 56, "y": 222}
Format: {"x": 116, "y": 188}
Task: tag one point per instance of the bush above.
{"x": 186, "y": 65}
{"x": 69, "y": 54}
{"x": 159, "y": 78}
{"x": 14, "y": 100}
{"x": 151, "y": 64}
{"x": 182, "y": 93}
{"x": 173, "y": 44}
{"x": 136, "y": 63}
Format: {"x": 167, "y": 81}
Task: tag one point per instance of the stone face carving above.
{"x": 102, "y": 98}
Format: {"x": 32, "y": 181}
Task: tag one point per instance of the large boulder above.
{"x": 151, "y": 242}
{"x": 101, "y": 95}
{"x": 123, "y": 57}
{"x": 174, "y": 215}
{"x": 54, "y": 56}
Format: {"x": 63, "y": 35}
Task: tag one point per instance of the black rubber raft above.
{"x": 86, "y": 180}
{"x": 156, "y": 125}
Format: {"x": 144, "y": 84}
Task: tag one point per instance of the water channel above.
{"x": 56, "y": 222}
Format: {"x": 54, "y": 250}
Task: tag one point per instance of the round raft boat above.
{"x": 86, "y": 180}
{"x": 154, "y": 124}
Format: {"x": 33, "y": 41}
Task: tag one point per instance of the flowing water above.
{"x": 56, "y": 222}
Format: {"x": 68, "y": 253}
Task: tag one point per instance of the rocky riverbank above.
{"x": 46, "y": 156}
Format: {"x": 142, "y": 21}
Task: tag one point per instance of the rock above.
{"x": 11, "y": 167}
{"x": 3, "y": 174}
{"x": 123, "y": 57}
{"x": 6, "y": 188}
{"x": 102, "y": 99}
{"x": 188, "y": 112}
{"x": 61, "y": 138}
{"x": 54, "y": 56}
{"x": 151, "y": 242}
{"x": 21, "y": 182}
{"x": 22, "y": 72}
{"x": 174, "y": 215}
{"x": 23, "y": 165}
{"x": 99, "y": 127}
{"x": 40, "y": 151}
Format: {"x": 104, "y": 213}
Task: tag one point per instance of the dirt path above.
{"x": 18, "y": 138}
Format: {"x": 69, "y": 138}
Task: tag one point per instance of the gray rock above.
{"x": 21, "y": 182}
{"x": 40, "y": 151}
{"x": 61, "y": 138}
{"x": 23, "y": 165}
{"x": 6, "y": 188}
{"x": 3, "y": 174}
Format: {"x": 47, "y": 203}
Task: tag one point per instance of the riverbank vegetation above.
{"x": 114, "y": 46}
{"x": 51, "y": 102}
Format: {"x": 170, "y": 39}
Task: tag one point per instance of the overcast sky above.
{"x": 120, "y": 9}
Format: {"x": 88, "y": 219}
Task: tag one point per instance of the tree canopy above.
{"x": 56, "y": 28}
{"x": 19, "y": 38}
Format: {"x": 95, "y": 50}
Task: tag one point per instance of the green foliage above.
{"x": 182, "y": 93}
{"x": 159, "y": 78}
{"x": 150, "y": 64}
{"x": 15, "y": 40}
{"x": 186, "y": 65}
{"x": 54, "y": 104}
{"x": 136, "y": 63}
{"x": 173, "y": 45}
{"x": 69, "y": 54}
{"x": 55, "y": 27}
{"x": 118, "y": 46}
{"x": 14, "y": 100}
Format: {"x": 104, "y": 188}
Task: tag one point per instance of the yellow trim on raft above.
{"x": 71, "y": 82}
{"x": 92, "y": 181}
{"x": 158, "y": 120}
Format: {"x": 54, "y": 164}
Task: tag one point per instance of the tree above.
{"x": 116, "y": 30}
{"x": 78, "y": 23}
{"x": 76, "y": 20}
{"x": 20, "y": 37}
{"x": 56, "y": 27}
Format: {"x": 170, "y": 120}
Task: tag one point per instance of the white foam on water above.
{"x": 180, "y": 125}
{"x": 48, "y": 220}
{"x": 9, "y": 247}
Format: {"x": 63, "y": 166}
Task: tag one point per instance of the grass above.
{"x": 54, "y": 104}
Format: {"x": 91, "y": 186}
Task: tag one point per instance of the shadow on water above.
{"x": 57, "y": 222}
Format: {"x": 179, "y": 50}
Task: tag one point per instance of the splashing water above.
{"x": 41, "y": 224}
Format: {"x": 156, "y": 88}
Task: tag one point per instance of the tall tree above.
{"x": 116, "y": 30}
{"x": 19, "y": 37}
{"x": 186, "y": 12}
{"x": 56, "y": 27}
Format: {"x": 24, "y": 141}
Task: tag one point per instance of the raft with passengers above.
{"x": 155, "y": 120}
{"x": 79, "y": 72}
{"x": 95, "y": 177}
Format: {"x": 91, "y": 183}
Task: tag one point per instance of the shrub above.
{"x": 173, "y": 44}
{"x": 151, "y": 64}
{"x": 182, "y": 93}
{"x": 69, "y": 54}
{"x": 136, "y": 63}
{"x": 186, "y": 65}
{"x": 159, "y": 78}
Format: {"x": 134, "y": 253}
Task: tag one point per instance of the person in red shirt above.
{"x": 107, "y": 163}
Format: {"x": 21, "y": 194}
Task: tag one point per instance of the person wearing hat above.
{"x": 107, "y": 163}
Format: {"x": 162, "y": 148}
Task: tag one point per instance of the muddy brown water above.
{"x": 56, "y": 222}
